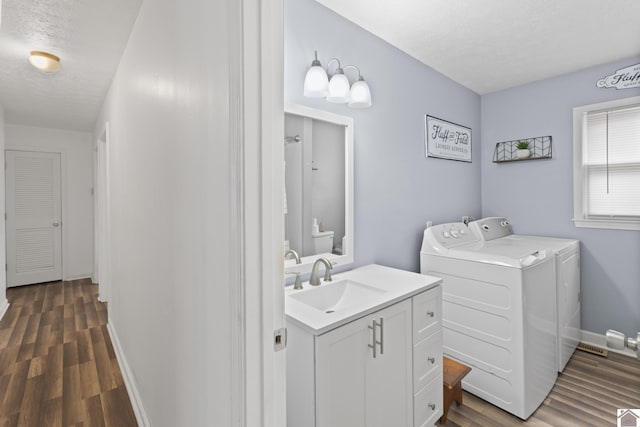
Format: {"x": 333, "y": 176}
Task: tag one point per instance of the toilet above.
{"x": 322, "y": 242}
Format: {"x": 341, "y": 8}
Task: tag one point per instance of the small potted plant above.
{"x": 523, "y": 149}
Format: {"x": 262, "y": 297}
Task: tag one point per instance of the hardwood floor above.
{"x": 587, "y": 393}
{"x": 58, "y": 368}
{"x": 57, "y": 364}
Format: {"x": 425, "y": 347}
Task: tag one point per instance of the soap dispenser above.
{"x": 315, "y": 229}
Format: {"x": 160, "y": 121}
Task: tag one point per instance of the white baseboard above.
{"x": 4, "y": 306}
{"x": 599, "y": 340}
{"x": 77, "y": 276}
{"x": 129, "y": 381}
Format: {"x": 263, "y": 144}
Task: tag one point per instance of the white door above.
{"x": 34, "y": 219}
{"x": 356, "y": 388}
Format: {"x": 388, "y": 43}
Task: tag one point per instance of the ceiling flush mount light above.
{"x": 44, "y": 61}
{"x": 337, "y": 90}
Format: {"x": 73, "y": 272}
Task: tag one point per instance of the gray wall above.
{"x": 397, "y": 189}
{"x": 538, "y": 196}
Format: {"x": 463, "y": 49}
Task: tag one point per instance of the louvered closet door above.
{"x": 34, "y": 238}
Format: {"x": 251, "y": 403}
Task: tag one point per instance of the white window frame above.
{"x": 580, "y": 217}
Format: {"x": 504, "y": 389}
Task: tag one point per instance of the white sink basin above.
{"x": 351, "y": 295}
{"x": 338, "y": 295}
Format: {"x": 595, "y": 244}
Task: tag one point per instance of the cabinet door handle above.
{"x": 431, "y": 359}
{"x": 432, "y": 406}
{"x": 430, "y": 313}
{"x": 381, "y": 342}
{"x": 374, "y": 325}
{"x": 373, "y": 346}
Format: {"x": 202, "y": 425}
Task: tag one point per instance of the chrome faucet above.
{"x": 314, "y": 280}
{"x": 294, "y": 253}
{"x": 298, "y": 284}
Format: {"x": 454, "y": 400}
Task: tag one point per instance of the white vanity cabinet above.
{"x": 383, "y": 369}
{"x": 427, "y": 357}
{"x": 354, "y": 386}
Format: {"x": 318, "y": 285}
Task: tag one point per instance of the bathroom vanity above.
{"x": 365, "y": 350}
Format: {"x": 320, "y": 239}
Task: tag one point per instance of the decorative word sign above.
{"x": 625, "y": 78}
{"x": 447, "y": 140}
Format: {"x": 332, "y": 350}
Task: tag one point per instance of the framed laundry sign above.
{"x": 625, "y": 78}
{"x": 447, "y": 140}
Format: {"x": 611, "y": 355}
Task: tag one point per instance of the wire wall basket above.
{"x": 507, "y": 151}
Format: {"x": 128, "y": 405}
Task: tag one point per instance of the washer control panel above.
{"x": 450, "y": 235}
{"x": 491, "y": 228}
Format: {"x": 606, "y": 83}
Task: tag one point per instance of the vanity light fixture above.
{"x": 338, "y": 89}
{"x": 44, "y": 61}
{"x": 360, "y": 93}
{"x": 316, "y": 82}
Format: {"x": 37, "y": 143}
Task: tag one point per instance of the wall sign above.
{"x": 625, "y": 78}
{"x": 446, "y": 140}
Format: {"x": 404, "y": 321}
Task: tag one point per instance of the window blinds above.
{"x": 611, "y": 161}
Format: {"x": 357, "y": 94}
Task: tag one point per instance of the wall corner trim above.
{"x": 599, "y": 340}
{"x": 129, "y": 381}
{"x": 4, "y": 306}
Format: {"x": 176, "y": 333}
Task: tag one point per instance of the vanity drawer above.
{"x": 427, "y": 404}
{"x": 427, "y": 313}
{"x": 427, "y": 361}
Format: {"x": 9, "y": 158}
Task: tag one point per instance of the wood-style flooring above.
{"x": 57, "y": 364}
{"x": 587, "y": 393}
{"x": 58, "y": 368}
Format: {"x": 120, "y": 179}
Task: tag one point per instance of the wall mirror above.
{"x": 318, "y": 193}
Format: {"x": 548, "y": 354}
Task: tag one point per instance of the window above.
{"x": 606, "y": 169}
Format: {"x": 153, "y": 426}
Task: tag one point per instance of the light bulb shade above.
{"x": 44, "y": 61}
{"x": 360, "y": 95}
{"x": 338, "y": 89}
{"x": 316, "y": 82}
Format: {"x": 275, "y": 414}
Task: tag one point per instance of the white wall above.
{"x": 3, "y": 277}
{"x": 77, "y": 181}
{"x": 169, "y": 179}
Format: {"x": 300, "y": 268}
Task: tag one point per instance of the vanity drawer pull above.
{"x": 430, "y": 313}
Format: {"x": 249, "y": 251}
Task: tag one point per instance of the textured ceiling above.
{"x": 88, "y": 35}
{"x": 490, "y": 45}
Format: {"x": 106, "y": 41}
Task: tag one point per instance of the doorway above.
{"x": 33, "y": 217}
{"x": 102, "y": 247}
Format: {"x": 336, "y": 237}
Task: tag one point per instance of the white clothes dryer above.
{"x": 496, "y": 314}
{"x": 567, "y": 253}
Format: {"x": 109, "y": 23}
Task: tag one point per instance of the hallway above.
{"x": 57, "y": 363}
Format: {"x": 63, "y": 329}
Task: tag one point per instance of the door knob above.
{"x": 56, "y": 223}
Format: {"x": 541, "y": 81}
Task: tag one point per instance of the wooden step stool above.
{"x": 452, "y": 374}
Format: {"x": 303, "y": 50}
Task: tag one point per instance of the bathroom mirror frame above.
{"x": 347, "y": 256}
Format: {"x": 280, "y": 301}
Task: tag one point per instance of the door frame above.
{"x": 256, "y": 117}
{"x": 102, "y": 215}
{"x": 63, "y": 194}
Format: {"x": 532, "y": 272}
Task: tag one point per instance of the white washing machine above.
{"x": 496, "y": 314}
{"x": 567, "y": 252}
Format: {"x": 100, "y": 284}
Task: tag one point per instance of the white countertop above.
{"x": 396, "y": 284}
